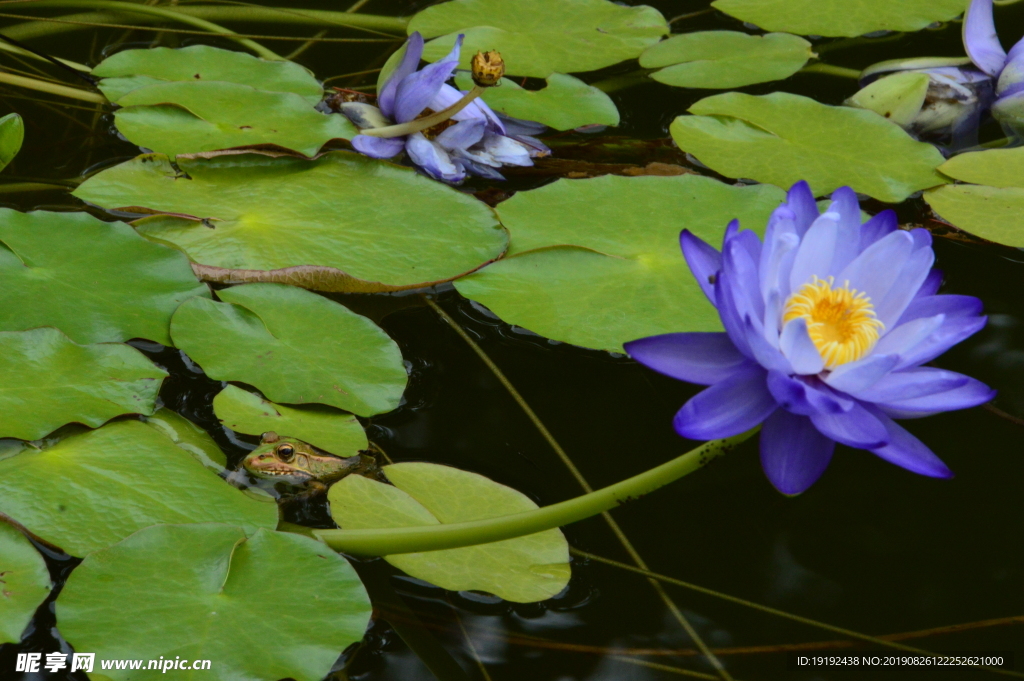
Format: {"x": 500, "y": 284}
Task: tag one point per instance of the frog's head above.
{"x": 292, "y": 461}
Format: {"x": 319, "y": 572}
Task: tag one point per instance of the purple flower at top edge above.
{"x": 474, "y": 141}
{"x": 1006, "y": 68}
{"x": 827, "y": 323}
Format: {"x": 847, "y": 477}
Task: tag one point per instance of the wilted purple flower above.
{"x": 827, "y": 324}
{"x": 474, "y": 140}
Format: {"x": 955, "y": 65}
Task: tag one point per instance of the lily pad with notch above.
{"x": 564, "y": 103}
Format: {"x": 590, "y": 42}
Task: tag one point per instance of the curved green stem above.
{"x": 52, "y": 88}
{"x": 831, "y": 70}
{"x": 390, "y": 541}
{"x": 176, "y": 14}
{"x": 426, "y": 122}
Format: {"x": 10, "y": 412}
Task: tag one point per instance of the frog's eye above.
{"x": 286, "y": 452}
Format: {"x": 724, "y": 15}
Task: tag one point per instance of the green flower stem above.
{"x": 52, "y": 88}
{"x": 430, "y": 121}
{"x": 14, "y": 49}
{"x": 831, "y": 70}
{"x": 19, "y": 187}
{"x": 390, "y": 541}
{"x": 177, "y": 14}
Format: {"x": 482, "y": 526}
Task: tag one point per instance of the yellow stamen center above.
{"x": 840, "y": 321}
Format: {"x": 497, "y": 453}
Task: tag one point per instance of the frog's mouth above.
{"x": 284, "y": 471}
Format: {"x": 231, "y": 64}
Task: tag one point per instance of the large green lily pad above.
{"x": 343, "y": 222}
{"x": 270, "y": 606}
{"x": 96, "y": 281}
{"x": 12, "y": 134}
{"x": 130, "y": 69}
{"x": 587, "y": 267}
{"x": 782, "y": 138}
{"x": 993, "y": 213}
{"x": 334, "y": 431}
{"x": 189, "y": 437}
{"x": 993, "y": 167}
{"x": 725, "y": 59}
{"x": 24, "y": 582}
{"x": 541, "y": 37}
{"x": 92, "y": 490}
{"x": 50, "y": 380}
{"x": 525, "y": 569}
{"x": 193, "y": 117}
{"x": 565, "y": 103}
{"x": 295, "y": 346}
{"x": 841, "y": 17}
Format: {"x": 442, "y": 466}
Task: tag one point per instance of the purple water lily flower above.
{"x": 473, "y": 141}
{"x": 827, "y": 324}
{"x": 1006, "y": 69}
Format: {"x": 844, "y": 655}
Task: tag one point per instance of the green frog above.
{"x": 299, "y": 464}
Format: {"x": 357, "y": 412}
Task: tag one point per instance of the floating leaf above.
{"x": 586, "y": 267}
{"x": 96, "y": 281}
{"x": 50, "y": 380}
{"x": 130, "y": 69}
{"x": 189, "y": 437}
{"x": 24, "y": 582}
{"x": 12, "y": 134}
{"x": 540, "y": 37}
{"x": 565, "y": 103}
{"x": 782, "y": 138}
{"x": 725, "y": 59}
{"x": 994, "y": 167}
{"x": 343, "y": 222}
{"x": 993, "y": 213}
{"x": 295, "y": 346}
{"x": 92, "y": 490}
{"x": 523, "y": 570}
{"x": 270, "y": 606}
{"x": 841, "y": 17}
{"x": 334, "y": 431}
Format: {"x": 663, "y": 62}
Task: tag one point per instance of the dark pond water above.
{"x": 870, "y": 547}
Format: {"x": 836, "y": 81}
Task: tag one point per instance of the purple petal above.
{"x": 908, "y": 452}
{"x": 778, "y": 252}
{"x": 877, "y": 227}
{"x": 727, "y": 408}
{"x": 416, "y": 91}
{"x": 507, "y": 151}
{"x": 462, "y": 135}
{"x": 433, "y": 159}
{"x": 378, "y": 147}
{"x": 931, "y": 283}
{"x": 701, "y": 358}
{"x": 448, "y": 95}
{"x": 814, "y": 256}
{"x": 797, "y": 346}
{"x": 907, "y": 336}
{"x": 734, "y": 324}
{"x": 764, "y": 352}
{"x": 874, "y": 271}
{"x": 950, "y": 305}
{"x": 950, "y": 332}
{"x": 855, "y": 377}
{"x": 970, "y": 394}
{"x": 800, "y": 200}
{"x": 980, "y": 39}
{"x": 703, "y": 259}
{"x": 741, "y": 269}
{"x": 911, "y": 384}
{"x": 854, "y": 428}
{"x": 410, "y": 60}
{"x": 845, "y": 204}
{"x": 804, "y": 397}
{"x": 793, "y": 453}
{"x": 1011, "y": 80}
{"x": 912, "y": 275}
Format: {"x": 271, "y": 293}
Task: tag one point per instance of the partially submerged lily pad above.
{"x": 92, "y": 490}
{"x": 565, "y": 103}
{"x": 783, "y": 138}
{"x": 343, "y": 222}
{"x": 993, "y": 213}
{"x": 12, "y": 134}
{"x": 993, "y": 167}
{"x": 586, "y": 267}
{"x": 24, "y": 582}
{"x": 525, "y": 569}
{"x": 295, "y": 346}
{"x": 282, "y": 605}
{"x": 334, "y": 431}
{"x": 50, "y": 380}
{"x": 189, "y": 437}
{"x": 725, "y": 59}
{"x": 541, "y": 37}
{"x": 96, "y": 281}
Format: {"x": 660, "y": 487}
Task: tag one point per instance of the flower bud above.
{"x": 487, "y": 68}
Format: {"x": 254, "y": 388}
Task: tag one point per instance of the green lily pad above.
{"x": 522, "y": 570}
{"x": 96, "y": 281}
{"x": 189, "y": 437}
{"x": 24, "y": 582}
{"x": 130, "y": 69}
{"x": 270, "y": 606}
{"x": 343, "y": 222}
{"x": 565, "y": 103}
{"x": 541, "y": 37}
{"x": 12, "y": 134}
{"x": 586, "y": 267}
{"x": 334, "y": 431}
{"x": 782, "y": 138}
{"x": 993, "y": 167}
{"x": 898, "y": 97}
{"x": 993, "y": 213}
{"x": 193, "y": 117}
{"x": 295, "y": 346}
{"x": 725, "y": 59}
{"x": 50, "y": 380}
{"x": 92, "y": 490}
{"x": 841, "y": 17}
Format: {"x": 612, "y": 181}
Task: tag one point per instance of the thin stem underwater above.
{"x": 52, "y": 88}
